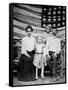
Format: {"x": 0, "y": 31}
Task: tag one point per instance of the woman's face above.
{"x": 29, "y": 32}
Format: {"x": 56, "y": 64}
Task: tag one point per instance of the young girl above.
{"x": 39, "y": 58}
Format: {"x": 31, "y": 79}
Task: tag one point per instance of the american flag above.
{"x": 39, "y": 17}
{"x": 54, "y": 15}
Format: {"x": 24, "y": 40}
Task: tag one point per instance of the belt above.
{"x": 30, "y": 51}
{"x": 39, "y": 53}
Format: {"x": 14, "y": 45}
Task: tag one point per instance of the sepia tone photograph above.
{"x": 37, "y": 44}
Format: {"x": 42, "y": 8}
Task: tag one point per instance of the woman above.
{"x": 26, "y": 68}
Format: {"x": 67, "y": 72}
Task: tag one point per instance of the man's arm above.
{"x": 46, "y": 49}
{"x": 58, "y": 46}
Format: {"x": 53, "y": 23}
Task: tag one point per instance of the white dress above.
{"x": 39, "y": 59}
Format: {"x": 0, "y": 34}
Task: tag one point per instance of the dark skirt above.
{"x": 26, "y": 69}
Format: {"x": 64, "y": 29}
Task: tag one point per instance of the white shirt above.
{"x": 45, "y": 51}
{"x": 28, "y": 44}
{"x": 53, "y": 44}
{"x": 39, "y": 48}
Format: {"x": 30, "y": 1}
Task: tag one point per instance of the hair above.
{"x": 29, "y": 27}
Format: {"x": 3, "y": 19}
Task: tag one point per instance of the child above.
{"x": 39, "y": 59}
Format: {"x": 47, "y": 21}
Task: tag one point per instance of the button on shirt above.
{"x": 28, "y": 44}
{"x": 53, "y": 44}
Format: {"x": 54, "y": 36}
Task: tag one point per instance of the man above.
{"x": 26, "y": 68}
{"x": 54, "y": 47}
{"x": 48, "y": 28}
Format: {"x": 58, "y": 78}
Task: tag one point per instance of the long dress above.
{"x": 26, "y": 71}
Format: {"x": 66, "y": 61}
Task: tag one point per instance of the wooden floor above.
{"x": 47, "y": 80}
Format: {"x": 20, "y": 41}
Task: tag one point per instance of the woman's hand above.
{"x": 27, "y": 54}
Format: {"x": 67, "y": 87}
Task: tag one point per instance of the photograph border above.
{"x": 11, "y": 47}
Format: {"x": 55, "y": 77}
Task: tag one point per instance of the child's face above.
{"x": 39, "y": 40}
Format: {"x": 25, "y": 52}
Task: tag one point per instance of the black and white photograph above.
{"x": 37, "y": 39}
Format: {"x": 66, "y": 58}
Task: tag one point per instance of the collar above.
{"x": 30, "y": 36}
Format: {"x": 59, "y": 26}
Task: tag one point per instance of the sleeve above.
{"x": 43, "y": 45}
{"x": 58, "y": 46}
{"x": 23, "y": 51}
{"x": 35, "y": 43}
{"x": 45, "y": 51}
{"x": 47, "y": 44}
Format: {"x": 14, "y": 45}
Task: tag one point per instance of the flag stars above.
{"x": 59, "y": 19}
{"x": 49, "y": 16}
{"x": 54, "y": 25}
{"x": 63, "y": 7}
{"x": 63, "y": 12}
{"x": 55, "y": 15}
{"x": 63, "y": 18}
{"x": 45, "y": 9}
{"x": 44, "y": 19}
{"x": 49, "y": 19}
{"x": 54, "y": 12}
{"x": 49, "y": 13}
{"x": 55, "y": 8}
{"x": 59, "y": 12}
{"x": 59, "y": 7}
{"x": 63, "y": 23}
{"x": 54, "y": 19}
{"x": 58, "y": 24}
{"x": 50, "y": 9}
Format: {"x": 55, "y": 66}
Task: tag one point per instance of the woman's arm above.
{"x": 35, "y": 44}
{"x": 23, "y": 50}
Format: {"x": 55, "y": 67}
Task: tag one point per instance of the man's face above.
{"x": 54, "y": 32}
{"x": 29, "y": 32}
